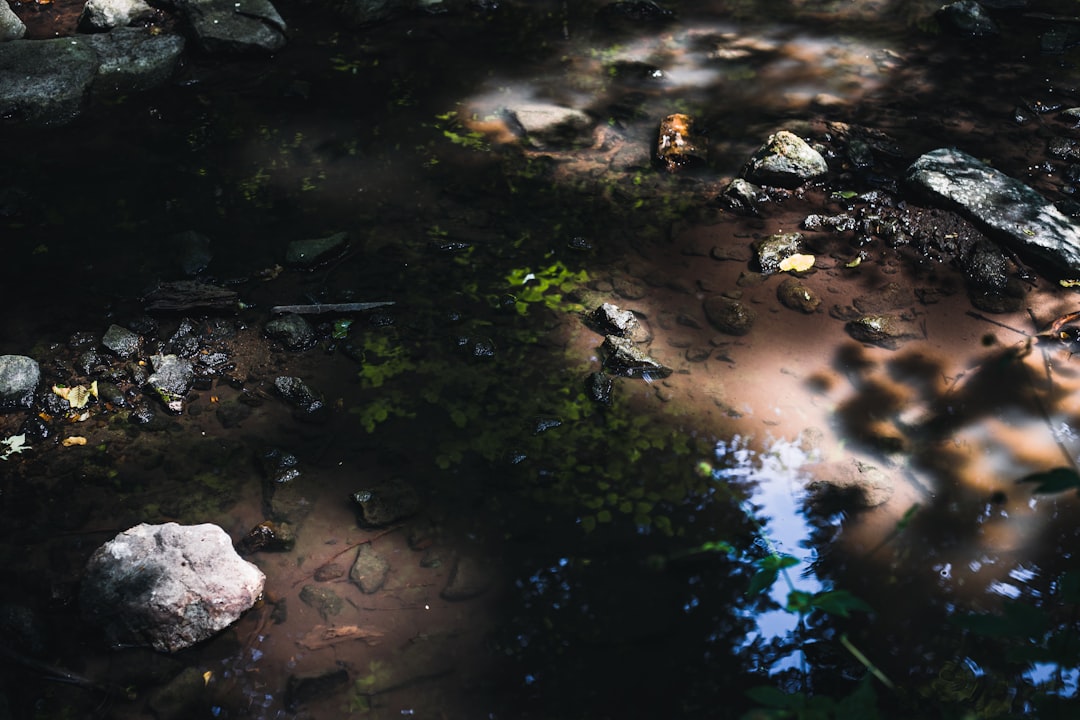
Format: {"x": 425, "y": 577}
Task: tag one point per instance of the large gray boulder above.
{"x": 1001, "y": 206}
{"x": 233, "y": 26}
{"x": 135, "y": 59}
{"x": 168, "y": 586}
{"x": 11, "y": 27}
{"x": 19, "y": 378}
{"x": 44, "y": 81}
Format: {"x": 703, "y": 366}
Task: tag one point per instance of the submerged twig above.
{"x": 323, "y": 308}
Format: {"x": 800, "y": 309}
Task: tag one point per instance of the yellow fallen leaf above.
{"x": 74, "y": 440}
{"x": 76, "y": 396}
{"x": 206, "y": 676}
{"x": 1069, "y": 283}
{"x": 797, "y": 263}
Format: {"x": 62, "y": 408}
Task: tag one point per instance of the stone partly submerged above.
{"x": 168, "y": 586}
{"x": 1001, "y": 206}
{"x": 785, "y": 160}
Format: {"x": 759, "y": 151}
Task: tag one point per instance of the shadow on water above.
{"x": 657, "y": 557}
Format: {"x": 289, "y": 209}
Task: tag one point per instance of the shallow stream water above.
{"x": 615, "y": 546}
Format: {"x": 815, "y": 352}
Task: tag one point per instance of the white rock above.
{"x": 168, "y": 586}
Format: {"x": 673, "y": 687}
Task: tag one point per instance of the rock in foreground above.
{"x": 785, "y": 160}
{"x": 168, "y": 586}
{"x": 1000, "y": 205}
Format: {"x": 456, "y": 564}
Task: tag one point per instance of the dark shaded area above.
{"x": 616, "y": 622}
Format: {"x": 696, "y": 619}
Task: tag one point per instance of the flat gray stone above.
{"x": 134, "y": 59}
{"x": 547, "y": 125}
{"x": 234, "y": 26}
{"x": 44, "y": 81}
{"x": 1000, "y": 206}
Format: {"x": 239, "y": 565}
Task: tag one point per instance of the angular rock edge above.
{"x": 1002, "y": 206}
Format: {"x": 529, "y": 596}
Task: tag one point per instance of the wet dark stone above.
{"x": 1064, "y": 148}
{"x": 382, "y": 504}
{"x": 580, "y": 244}
{"x": 887, "y": 331}
{"x": 298, "y": 394}
{"x": 483, "y": 348}
{"x": 1004, "y": 207}
{"x": 121, "y": 342}
{"x": 836, "y": 223}
{"x": 183, "y": 342}
{"x": 88, "y": 362}
{"x": 82, "y": 339}
{"x": 370, "y": 570}
{"x": 624, "y": 359}
{"x": 279, "y": 467}
{"x": 324, "y": 600}
{"x": 215, "y": 362}
{"x": 171, "y": 380}
{"x": 303, "y": 689}
{"x": 743, "y": 197}
{"x": 292, "y": 331}
{"x": 774, "y": 249}
{"x": 543, "y": 424}
{"x": 269, "y": 536}
{"x": 111, "y": 394}
{"x": 600, "y": 387}
{"x": 608, "y": 319}
{"x": 785, "y": 160}
{"x": 795, "y": 294}
{"x": 967, "y": 17}
{"x": 34, "y": 428}
{"x": 142, "y": 414}
{"x": 729, "y": 316}
{"x": 986, "y": 267}
{"x": 53, "y": 404}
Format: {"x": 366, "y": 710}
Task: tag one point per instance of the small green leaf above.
{"x": 799, "y": 602}
{"x": 1053, "y": 481}
{"x": 838, "y": 602}
{"x": 762, "y": 580}
{"x": 717, "y": 546}
{"x": 777, "y": 562}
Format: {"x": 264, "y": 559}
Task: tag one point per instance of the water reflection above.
{"x": 607, "y": 533}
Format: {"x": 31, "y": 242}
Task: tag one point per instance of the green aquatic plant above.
{"x": 453, "y": 130}
{"x": 546, "y": 286}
